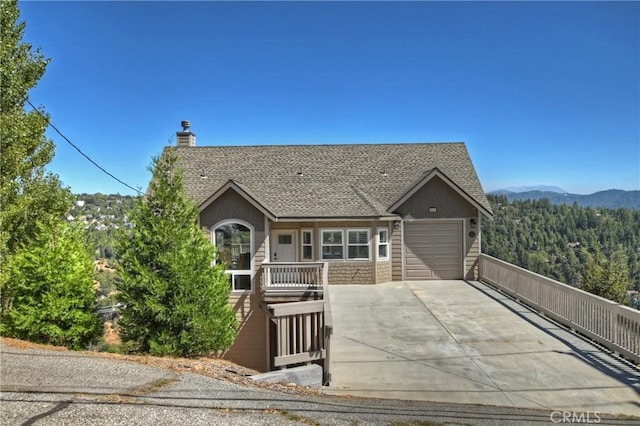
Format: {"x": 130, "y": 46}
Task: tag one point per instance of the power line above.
{"x": 79, "y": 150}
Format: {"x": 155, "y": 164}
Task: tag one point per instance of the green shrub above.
{"x": 49, "y": 295}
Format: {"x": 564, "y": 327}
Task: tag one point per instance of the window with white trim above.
{"x": 233, "y": 244}
{"x": 332, "y": 244}
{"x": 358, "y": 244}
{"x": 383, "y": 243}
{"x": 307, "y": 244}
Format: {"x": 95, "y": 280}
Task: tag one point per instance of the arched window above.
{"x": 234, "y": 240}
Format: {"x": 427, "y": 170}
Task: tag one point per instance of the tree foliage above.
{"x": 568, "y": 243}
{"x": 51, "y": 298}
{"x": 29, "y": 195}
{"x": 176, "y": 301}
{"x": 46, "y": 277}
{"x": 608, "y": 278}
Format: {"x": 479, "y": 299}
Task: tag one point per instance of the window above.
{"x": 233, "y": 242}
{"x": 332, "y": 245}
{"x": 383, "y": 244}
{"x": 307, "y": 244}
{"x": 358, "y": 244}
{"x": 284, "y": 239}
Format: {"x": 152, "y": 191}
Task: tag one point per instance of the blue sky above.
{"x": 541, "y": 92}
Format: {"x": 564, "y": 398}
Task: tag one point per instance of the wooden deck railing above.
{"x": 614, "y": 326}
{"x": 303, "y": 329}
{"x": 304, "y": 276}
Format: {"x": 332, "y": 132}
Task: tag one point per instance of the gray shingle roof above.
{"x": 294, "y": 181}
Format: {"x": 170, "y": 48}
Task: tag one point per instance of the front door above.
{"x": 283, "y": 248}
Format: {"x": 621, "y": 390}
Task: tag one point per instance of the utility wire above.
{"x": 79, "y": 150}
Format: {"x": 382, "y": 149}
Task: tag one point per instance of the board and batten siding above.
{"x": 448, "y": 204}
{"x": 437, "y": 194}
{"x": 250, "y": 346}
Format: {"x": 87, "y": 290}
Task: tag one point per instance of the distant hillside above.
{"x": 612, "y": 198}
{"x": 102, "y": 215}
{"x": 556, "y": 240}
{"x": 544, "y": 188}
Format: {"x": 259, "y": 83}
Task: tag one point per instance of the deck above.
{"x": 295, "y": 297}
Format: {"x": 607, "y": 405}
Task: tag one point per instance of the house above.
{"x": 373, "y": 213}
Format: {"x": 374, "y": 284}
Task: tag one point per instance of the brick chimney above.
{"x": 185, "y": 137}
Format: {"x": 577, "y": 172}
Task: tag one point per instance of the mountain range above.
{"x": 611, "y": 198}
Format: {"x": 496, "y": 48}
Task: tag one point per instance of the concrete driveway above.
{"x": 453, "y": 341}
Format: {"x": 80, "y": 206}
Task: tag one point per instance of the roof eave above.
{"x": 336, "y": 218}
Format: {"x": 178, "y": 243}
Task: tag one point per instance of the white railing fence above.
{"x": 614, "y": 326}
{"x": 306, "y": 276}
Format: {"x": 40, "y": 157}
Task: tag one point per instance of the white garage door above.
{"x": 433, "y": 250}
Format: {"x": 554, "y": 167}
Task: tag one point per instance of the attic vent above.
{"x": 203, "y": 175}
{"x": 300, "y": 172}
{"x": 384, "y": 172}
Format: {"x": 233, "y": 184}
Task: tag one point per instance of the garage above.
{"x": 433, "y": 250}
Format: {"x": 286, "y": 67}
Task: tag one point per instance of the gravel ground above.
{"x": 41, "y": 386}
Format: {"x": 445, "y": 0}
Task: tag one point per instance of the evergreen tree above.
{"x": 28, "y": 194}
{"x": 608, "y": 278}
{"x": 556, "y": 240}
{"x": 46, "y": 280}
{"x": 176, "y": 301}
{"x": 51, "y": 298}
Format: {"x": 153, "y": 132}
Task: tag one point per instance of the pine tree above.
{"x": 176, "y": 301}
{"x": 51, "y": 298}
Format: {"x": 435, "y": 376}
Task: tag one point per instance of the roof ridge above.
{"x": 326, "y": 144}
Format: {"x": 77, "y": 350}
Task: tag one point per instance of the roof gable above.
{"x": 240, "y": 190}
{"x": 326, "y": 181}
{"x": 427, "y": 178}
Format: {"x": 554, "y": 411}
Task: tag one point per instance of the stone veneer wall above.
{"x": 351, "y": 273}
{"x": 383, "y": 272}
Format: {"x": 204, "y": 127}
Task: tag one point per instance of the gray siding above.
{"x": 231, "y": 205}
{"x": 396, "y": 254}
{"x": 449, "y": 204}
{"x": 472, "y": 250}
{"x": 437, "y": 193}
{"x": 250, "y": 347}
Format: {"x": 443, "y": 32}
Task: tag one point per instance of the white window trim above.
{"x": 322, "y": 245}
{"x": 303, "y": 245}
{"x": 233, "y": 272}
{"x": 378, "y": 244}
{"x": 347, "y": 245}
